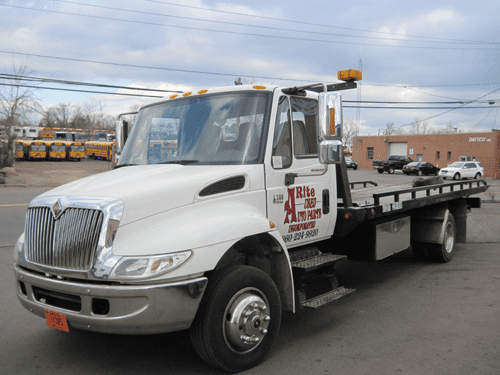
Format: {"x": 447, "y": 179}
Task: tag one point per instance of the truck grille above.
{"x": 68, "y": 242}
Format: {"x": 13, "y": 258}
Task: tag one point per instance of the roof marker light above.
{"x": 350, "y": 75}
{"x": 259, "y": 87}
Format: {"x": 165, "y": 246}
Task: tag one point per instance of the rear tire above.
{"x": 456, "y": 176}
{"x": 443, "y": 252}
{"x": 477, "y": 176}
{"x": 238, "y": 319}
{"x": 380, "y": 171}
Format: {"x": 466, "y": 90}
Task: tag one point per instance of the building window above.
{"x": 438, "y": 154}
{"x": 449, "y": 155}
{"x": 370, "y": 153}
{"x": 420, "y": 157}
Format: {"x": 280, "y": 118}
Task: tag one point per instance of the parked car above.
{"x": 460, "y": 169}
{"x": 351, "y": 163}
{"x": 390, "y": 165}
{"x": 420, "y": 168}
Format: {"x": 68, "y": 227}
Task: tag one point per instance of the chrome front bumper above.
{"x": 133, "y": 309}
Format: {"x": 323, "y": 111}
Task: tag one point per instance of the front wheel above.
{"x": 238, "y": 319}
{"x": 391, "y": 170}
{"x": 419, "y": 173}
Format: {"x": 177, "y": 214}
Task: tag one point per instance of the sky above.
{"x": 412, "y": 54}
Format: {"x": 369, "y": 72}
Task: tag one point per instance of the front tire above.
{"x": 391, "y": 170}
{"x": 238, "y": 319}
{"x": 419, "y": 173}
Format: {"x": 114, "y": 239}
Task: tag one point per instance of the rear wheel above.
{"x": 238, "y": 319}
{"x": 443, "y": 252}
{"x": 477, "y": 176}
{"x": 456, "y": 176}
{"x": 380, "y": 171}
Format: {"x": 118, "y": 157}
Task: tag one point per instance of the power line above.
{"x": 75, "y": 90}
{"x": 78, "y": 83}
{"x": 242, "y": 33}
{"x": 150, "y": 67}
{"x": 260, "y": 26}
{"x": 450, "y": 110}
{"x": 309, "y": 23}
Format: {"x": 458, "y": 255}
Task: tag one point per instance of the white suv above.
{"x": 460, "y": 169}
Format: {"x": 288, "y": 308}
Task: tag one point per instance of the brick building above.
{"x": 437, "y": 149}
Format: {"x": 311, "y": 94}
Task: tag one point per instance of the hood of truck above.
{"x": 148, "y": 190}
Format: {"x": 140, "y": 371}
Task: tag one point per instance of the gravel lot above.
{"x": 52, "y": 173}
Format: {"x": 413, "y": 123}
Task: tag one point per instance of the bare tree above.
{"x": 420, "y": 127}
{"x": 349, "y": 131}
{"x": 61, "y": 115}
{"x": 17, "y": 101}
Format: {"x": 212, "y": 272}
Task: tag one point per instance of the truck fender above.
{"x": 428, "y": 226}
{"x": 268, "y": 252}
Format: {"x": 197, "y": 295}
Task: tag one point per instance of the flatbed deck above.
{"x": 381, "y": 200}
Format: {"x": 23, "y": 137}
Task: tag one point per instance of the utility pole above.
{"x": 358, "y": 110}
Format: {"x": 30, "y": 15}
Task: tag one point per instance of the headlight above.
{"x": 18, "y": 248}
{"x": 145, "y": 267}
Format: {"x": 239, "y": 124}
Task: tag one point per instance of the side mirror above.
{"x": 330, "y": 152}
{"x": 330, "y": 128}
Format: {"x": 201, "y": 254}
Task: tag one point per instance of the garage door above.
{"x": 398, "y": 148}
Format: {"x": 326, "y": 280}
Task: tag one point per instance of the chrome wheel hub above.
{"x": 246, "y": 320}
{"x": 449, "y": 238}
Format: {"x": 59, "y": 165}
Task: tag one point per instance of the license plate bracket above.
{"x": 56, "y": 320}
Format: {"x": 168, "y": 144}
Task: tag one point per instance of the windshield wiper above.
{"x": 182, "y": 162}
{"x": 124, "y": 165}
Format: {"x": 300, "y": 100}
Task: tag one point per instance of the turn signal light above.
{"x": 333, "y": 130}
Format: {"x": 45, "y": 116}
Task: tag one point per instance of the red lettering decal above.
{"x": 290, "y": 207}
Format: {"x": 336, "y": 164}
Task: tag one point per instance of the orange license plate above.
{"x": 56, "y": 320}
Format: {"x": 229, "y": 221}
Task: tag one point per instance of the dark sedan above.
{"x": 351, "y": 163}
{"x": 420, "y": 168}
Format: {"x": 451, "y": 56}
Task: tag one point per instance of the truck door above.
{"x": 299, "y": 188}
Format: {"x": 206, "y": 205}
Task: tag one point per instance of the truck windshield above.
{"x": 227, "y": 128}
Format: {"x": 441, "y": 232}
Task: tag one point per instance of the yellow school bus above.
{"x": 58, "y": 150}
{"x": 99, "y": 150}
{"x": 21, "y": 149}
{"x": 76, "y": 150}
{"x": 38, "y": 150}
{"x": 46, "y": 133}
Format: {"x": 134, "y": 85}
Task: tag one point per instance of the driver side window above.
{"x": 282, "y": 146}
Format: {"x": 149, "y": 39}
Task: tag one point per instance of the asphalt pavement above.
{"x": 406, "y": 317}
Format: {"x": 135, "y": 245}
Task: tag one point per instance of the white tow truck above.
{"x": 226, "y": 207}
